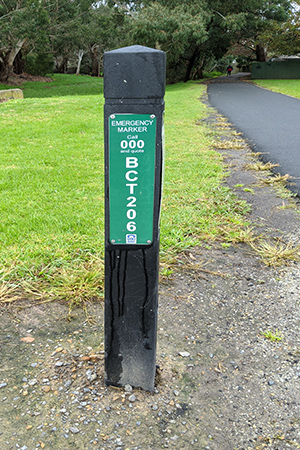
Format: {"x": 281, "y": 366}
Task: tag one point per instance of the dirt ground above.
{"x": 221, "y": 384}
{"x": 18, "y": 80}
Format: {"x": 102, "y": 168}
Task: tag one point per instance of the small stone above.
{"x": 128, "y": 388}
{"x": 2, "y": 385}
{"x": 74, "y": 430}
{"x": 184, "y": 354}
{"x": 33, "y": 365}
{"x": 91, "y": 376}
{"x": 176, "y": 393}
{"x": 132, "y": 398}
{"x": 59, "y": 364}
{"x": 270, "y": 383}
{"x": 68, "y": 383}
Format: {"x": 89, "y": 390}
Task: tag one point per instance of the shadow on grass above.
{"x": 61, "y": 86}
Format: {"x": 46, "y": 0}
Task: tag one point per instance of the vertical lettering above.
{"x": 131, "y": 162}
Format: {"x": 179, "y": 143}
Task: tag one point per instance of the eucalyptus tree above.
{"x": 37, "y": 27}
{"x": 22, "y": 22}
{"x": 194, "y": 32}
{"x": 107, "y": 31}
{"x": 284, "y": 38}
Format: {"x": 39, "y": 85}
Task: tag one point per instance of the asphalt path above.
{"x": 268, "y": 120}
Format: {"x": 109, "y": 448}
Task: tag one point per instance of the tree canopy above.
{"x": 196, "y": 35}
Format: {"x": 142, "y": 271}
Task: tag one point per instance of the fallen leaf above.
{"x": 28, "y": 339}
{"x": 94, "y": 357}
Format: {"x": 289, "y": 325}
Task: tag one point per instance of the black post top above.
{"x": 134, "y": 72}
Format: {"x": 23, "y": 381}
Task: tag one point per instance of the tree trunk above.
{"x": 19, "y": 64}
{"x": 7, "y": 62}
{"x": 5, "y": 71}
{"x": 63, "y": 66}
{"x": 191, "y": 65}
{"x": 261, "y": 53}
{"x": 198, "y": 75}
{"x": 95, "y": 60}
{"x": 80, "y": 55}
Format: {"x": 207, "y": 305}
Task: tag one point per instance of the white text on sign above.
{"x": 131, "y": 175}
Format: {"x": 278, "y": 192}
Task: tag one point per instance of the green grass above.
{"x": 273, "y": 336}
{"x": 52, "y": 186}
{"x": 287, "y": 87}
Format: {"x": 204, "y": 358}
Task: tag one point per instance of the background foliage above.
{"x": 196, "y": 35}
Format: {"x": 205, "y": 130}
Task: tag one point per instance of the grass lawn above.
{"x": 52, "y": 186}
{"x": 287, "y": 87}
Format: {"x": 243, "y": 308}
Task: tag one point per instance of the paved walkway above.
{"x": 270, "y": 121}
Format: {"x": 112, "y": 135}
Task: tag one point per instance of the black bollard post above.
{"x": 134, "y": 87}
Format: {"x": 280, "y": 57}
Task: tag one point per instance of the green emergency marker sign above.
{"x": 132, "y": 146}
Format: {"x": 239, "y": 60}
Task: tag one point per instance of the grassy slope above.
{"x": 51, "y": 184}
{"x": 287, "y": 87}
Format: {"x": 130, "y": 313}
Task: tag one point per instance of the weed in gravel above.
{"x": 281, "y": 179}
{"x": 232, "y": 144}
{"x": 79, "y": 284}
{"x": 223, "y": 124}
{"x": 247, "y": 236}
{"x": 273, "y": 336}
{"x": 279, "y": 182}
{"x": 8, "y": 288}
{"x": 277, "y": 254}
{"x": 260, "y": 166}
